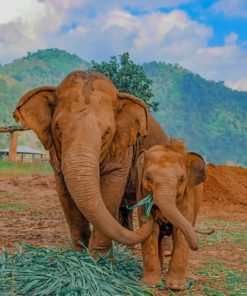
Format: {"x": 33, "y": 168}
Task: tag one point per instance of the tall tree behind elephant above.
{"x": 174, "y": 177}
{"x": 90, "y": 130}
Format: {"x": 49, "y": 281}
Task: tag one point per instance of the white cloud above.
{"x": 174, "y": 37}
{"x": 77, "y": 32}
{"x": 63, "y": 4}
{"x": 99, "y": 29}
{"x": 151, "y": 5}
{"x": 231, "y": 8}
{"x": 121, "y": 19}
{"x": 24, "y": 25}
{"x": 231, "y": 39}
{"x": 169, "y": 36}
{"x": 239, "y": 85}
{"x": 227, "y": 62}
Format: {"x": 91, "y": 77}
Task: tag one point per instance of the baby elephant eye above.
{"x": 149, "y": 178}
{"x": 58, "y": 130}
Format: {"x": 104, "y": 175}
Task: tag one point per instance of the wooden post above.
{"x": 13, "y": 146}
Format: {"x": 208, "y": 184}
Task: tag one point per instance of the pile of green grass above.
{"x": 42, "y": 271}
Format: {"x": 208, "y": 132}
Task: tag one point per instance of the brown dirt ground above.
{"x": 30, "y": 213}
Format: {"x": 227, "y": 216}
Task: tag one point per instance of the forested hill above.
{"x": 48, "y": 66}
{"x": 209, "y": 116}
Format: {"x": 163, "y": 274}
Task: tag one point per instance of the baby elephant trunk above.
{"x": 165, "y": 201}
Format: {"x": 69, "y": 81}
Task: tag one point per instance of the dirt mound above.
{"x": 226, "y": 185}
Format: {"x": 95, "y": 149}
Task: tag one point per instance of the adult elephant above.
{"x": 89, "y": 130}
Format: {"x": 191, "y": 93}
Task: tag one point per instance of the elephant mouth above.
{"x": 166, "y": 227}
{"x": 159, "y": 217}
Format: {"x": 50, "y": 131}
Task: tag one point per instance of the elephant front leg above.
{"x": 78, "y": 225}
{"x": 112, "y": 187}
{"x": 176, "y": 277}
{"x": 151, "y": 258}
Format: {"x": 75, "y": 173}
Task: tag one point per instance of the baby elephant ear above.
{"x": 34, "y": 110}
{"x": 196, "y": 169}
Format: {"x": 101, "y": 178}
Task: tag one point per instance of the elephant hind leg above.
{"x": 167, "y": 246}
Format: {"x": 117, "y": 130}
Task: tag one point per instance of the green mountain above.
{"x": 48, "y": 66}
{"x": 210, "y": 117}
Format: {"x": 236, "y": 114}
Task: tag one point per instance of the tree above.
{"x": 127, "y": 77}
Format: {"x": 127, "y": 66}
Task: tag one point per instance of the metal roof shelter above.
{"x": 22, "y": 150}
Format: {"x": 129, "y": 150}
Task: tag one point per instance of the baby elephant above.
{"x": 174, "y": 177}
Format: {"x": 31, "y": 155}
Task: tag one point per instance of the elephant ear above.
{"x": 131, "y": 123}
{"x": 34, "y": 110}
{"x": 196, "y": 169}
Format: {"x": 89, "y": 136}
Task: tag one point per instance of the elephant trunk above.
{"x": 165, "y": 201}
{"x": 80, "y": 166}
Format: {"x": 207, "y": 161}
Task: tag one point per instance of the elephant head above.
{"x": 168, "y": 172}
{"x": 84, "y": 119}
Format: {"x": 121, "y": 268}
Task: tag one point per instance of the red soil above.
{"x": 42, "y": 221}
{"x": 225, "y": 192}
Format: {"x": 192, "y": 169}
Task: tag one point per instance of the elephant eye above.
{"x": 181, "y": 179}
{"x": 149, "y": 178}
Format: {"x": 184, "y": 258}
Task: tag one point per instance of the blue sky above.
{"x": 206, "y": 37}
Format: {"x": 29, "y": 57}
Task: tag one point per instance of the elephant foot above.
{"x": 151, "y": 279}
{"x": 79, "y": 239}
{"x": 175, "y": 281}
{"x": 77, "y": 247}
{"x": 98, "y": 250}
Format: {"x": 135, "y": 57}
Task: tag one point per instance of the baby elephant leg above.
{"x": 151, "y": 260}
{"x": 176, "y": 277}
